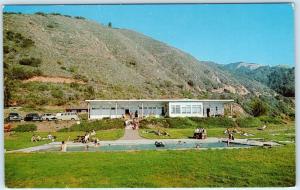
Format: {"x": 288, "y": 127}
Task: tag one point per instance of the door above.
{"x": 208, "y": 112}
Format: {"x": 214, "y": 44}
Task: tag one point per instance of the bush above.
{"x": 50, "y": 26}
{"x": 181, "y": 122}
{"x": 54, "y": 13}
{"x": 96, "y": 125}
{"x": 25, "y": 128}
{"x": 210, "y": 122}
{"x": 190, "y": 83}
{"x": 40, "y": 13}
{"x": 258, "y": 108}
{"x": 248, "y": 122}
{"x": 22, "y": 73}
{"x": 57, "y": 94}
{"x": 80, "y": 77}
{"x": 33, "y": 62}
{"x": 79, "y": 17}
{"x": 27, "y": 43}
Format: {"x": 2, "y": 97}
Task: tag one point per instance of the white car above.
{"x": 67, "y": 116}
{"x": 48, "y": 117}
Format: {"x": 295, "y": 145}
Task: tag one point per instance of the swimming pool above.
{"x": 128, "y": 147}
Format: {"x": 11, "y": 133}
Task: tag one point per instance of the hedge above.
{"x": 96, "y": 125}
{"x": 249, "y": 122}
{"x": 25, "y": 128}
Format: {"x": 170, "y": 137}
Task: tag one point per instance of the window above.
{"x": 178, "y": 109}
{"x": 196, "y": 109}
{"x": 183, "y": 111}
{"x": 173, "y": 108}
{"x": 188, "y": 109}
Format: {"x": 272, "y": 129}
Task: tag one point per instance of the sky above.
{"x": 222, "y": 33}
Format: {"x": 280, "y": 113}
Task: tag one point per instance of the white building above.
{"x": 98, "y": 109}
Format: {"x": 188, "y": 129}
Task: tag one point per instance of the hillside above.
{"x": 279, "y": 78}
{"x": 101, "y": 62}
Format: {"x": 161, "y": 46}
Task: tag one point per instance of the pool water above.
{"x": 168, "y": 146}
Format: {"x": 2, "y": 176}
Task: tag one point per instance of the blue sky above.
{"x": 223, "y": 33}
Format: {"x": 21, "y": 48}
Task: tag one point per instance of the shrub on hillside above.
{"x": 27, "y": 43}
{"x": 50, "y": 26}
{"x": 25, "y": 128}
{"x": 258, "y": 107}
{"x": 80, "y": 77}
{"x": 40, "y": 13}
{"x": 96, "y": 125}
{"x": 33, "y": 62}
{"x": 57, "y": 93}
{"x": 21, "y": 73}
{"x": 248, "y": 122}
{"x": 79, "y": 17}
{"x": 54, "y": 14}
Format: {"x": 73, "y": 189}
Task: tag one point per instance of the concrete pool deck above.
{"x": 150, "y": 141}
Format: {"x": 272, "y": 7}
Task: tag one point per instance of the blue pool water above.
{"x": 168, "y": 146}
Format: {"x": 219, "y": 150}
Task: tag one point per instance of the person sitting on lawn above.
{"x": 93, "y": 133}
{"x": 33, "y": 138}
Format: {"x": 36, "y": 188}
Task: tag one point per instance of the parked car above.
{"x": 14, "y": 117}
{"x": 32, "y": 117}
{"x": 67, "y": 116}
{"x": 48, "y": 117}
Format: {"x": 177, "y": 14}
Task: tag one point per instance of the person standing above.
{"x": 63, "y": 146}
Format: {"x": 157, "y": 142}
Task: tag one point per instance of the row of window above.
{"x": 186, "y": 109}
{"x": 113, "y": 108}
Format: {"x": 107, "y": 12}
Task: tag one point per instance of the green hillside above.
{"x": 42, "y": 50}
{"x": 279, "y": 78}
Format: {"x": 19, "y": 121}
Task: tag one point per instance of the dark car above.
{"x": 14, "y": 117}
{"x": 32, "y": 117}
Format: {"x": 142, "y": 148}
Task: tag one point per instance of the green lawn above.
{"x": 22, "y": 139}
{"x": 208, "y": 168}
{"x": 279, "y": 132}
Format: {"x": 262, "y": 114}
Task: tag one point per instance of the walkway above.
{"x": 131, "y": 134}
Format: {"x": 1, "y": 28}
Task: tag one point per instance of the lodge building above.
{"x": 98, "y": 109}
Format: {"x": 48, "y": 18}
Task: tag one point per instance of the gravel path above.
{"x": 131, "y": 134}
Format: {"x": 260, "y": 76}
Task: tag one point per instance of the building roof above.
{"x": 164, "y": 100}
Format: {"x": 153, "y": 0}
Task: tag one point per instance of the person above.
{"x": 93, "y": 133}
{"x": 33, "y": 138}
{"x": 63, "y": 146}
{"x": 38, "y": 138}
{"x": 50, "y": 137}
{"x": 136, "y": 115}
{"x": 87, "y": 147}
{"x": 130, "y": 115}
{"x": 86, "y": 138}
{"x": 204, "y": 133}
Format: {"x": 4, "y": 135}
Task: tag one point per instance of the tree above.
{"x": 109, "y": 25}
{"x": 258, "y": 108}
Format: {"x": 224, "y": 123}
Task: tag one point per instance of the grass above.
{"x": 20, "y": 140}
{"x": 277, "y": 132}
{"x": 211, "y": 168}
